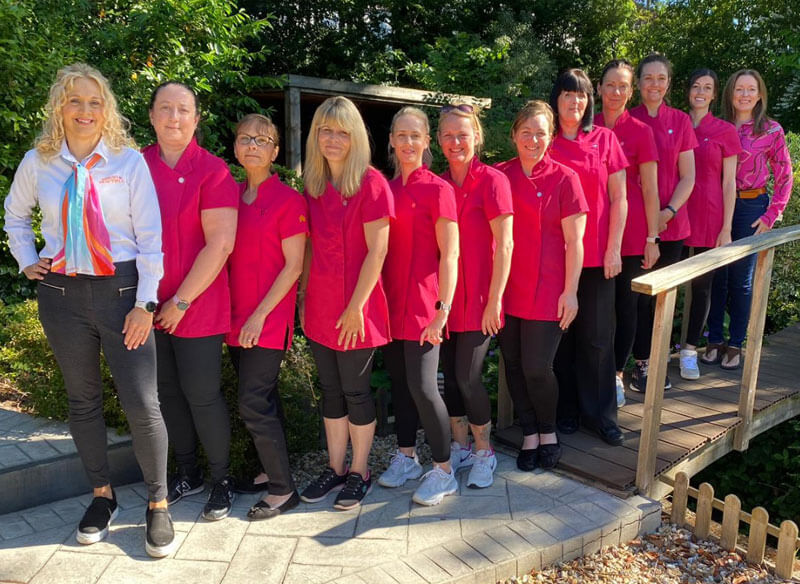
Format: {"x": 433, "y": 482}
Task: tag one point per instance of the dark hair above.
{"x": 617, "y": 64}
{"x": 654, "y": 58}
{"x": 703, "y": 72}
{"x": 760, "y": 118}
{"x": 179, "y": 84}
{"x": 574, "y": 80}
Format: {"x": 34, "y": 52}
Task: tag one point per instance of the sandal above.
{"x": 713, "y": 354}
{"x": 732, "y": 353}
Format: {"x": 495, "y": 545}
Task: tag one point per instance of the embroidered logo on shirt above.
{"x": 113, "y": 179}
{"x": 669, "y": 131}
{"x": 302, "y": 218}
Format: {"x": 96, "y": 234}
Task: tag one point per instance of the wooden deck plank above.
{"x": 674, "y": 435}
{"x": 704, "y": 422}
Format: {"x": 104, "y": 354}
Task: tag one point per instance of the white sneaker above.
{"x": 435, "y": 486}
{"x": 401, "y": 469}
{"x": 620, "y": 391}
{"x": 482, "y": 473}
{"x": 460, "y": 457}
{"x": 689, "y": 369}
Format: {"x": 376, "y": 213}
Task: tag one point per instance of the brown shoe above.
{"x": 713, "y": 354}
{"x": 731, "y": 354}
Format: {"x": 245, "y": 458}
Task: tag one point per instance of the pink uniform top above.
{"x": 411, "y": 269}
{"x": 639, "y": 146}
{"x": 717, "y": 140}
{"x": 338, "y": 250}
{"x": 674, "y": 134}
{"x": 538, "y": 266}
{"x": 484, "y": 195}
{"x": 277, "y": 213}
{"x": 198, "y": 182}
{"x": 760, "y": 155}
{"x": 595, "y": 156}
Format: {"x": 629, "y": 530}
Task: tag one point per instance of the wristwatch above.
{"x": 655, "y": 239}
{"x": 182, "y": 305}
{"x": 442, "y": 306}
{"x": 146, "y": 305}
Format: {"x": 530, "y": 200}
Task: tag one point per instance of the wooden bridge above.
{"x": 696, "y": 422}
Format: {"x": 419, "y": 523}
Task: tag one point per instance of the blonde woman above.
{"x": 97, "y": 279}
{"x": 342, "y": 304}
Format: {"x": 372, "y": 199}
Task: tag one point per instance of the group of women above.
{"x": 539, "y": 250}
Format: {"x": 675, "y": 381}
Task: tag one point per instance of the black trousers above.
{"x": 529, "y": 347}
{"x": 81, "y": 316}
{"x": 670, "y": 253}
{"x": 259, "y": 407}
{"x": 344, "y": 379}
{"x": 462, "y": 363}
{"x": 701, "y": 303}
{"x": 584, "y": 363}
{"x": 415, "y": 394}
{"x": 189, "y": 371}
{"x": 626, "y": 304}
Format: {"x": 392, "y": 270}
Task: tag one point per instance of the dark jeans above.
{"x": 529, "y": 347}
{"x": 626, "y": 305}
{"x": 584, "y": 363}
{"x": 670, "y": 253}
{"x": 415, "y": 394}
{"x": 189, "y": 371}
{"x": 462, "y": 363}
{"x": 82, "y": 315}
{"x": 733, "y": 284}
{"x": 344, "y": 379}
{"x": 260, "y": 410}
{"x": 701, "y": 302}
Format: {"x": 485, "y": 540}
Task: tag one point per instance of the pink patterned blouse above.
{"x": 762, "y": 154}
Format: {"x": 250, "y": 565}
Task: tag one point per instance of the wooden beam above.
{"x": 294, "y": 146}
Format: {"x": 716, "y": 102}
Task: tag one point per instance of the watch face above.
{"x": 150, "y": 306}
{"x": 183, "y": 305}
{"x": 438, "y": 305}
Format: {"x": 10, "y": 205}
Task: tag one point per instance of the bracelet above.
{"x": 671, "y": 208}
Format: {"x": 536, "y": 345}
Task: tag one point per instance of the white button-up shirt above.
{"x": 127, "y": 197}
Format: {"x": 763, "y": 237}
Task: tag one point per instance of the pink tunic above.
{"x": 411, "y": 269}
{"x": 484, "y": 195}
{"x": 538, "y": 266}
{"x": 198, "y": 182}
{"x": 717, "y": 140}
{"x": 639, "y": 146}
{"x": 338, "y": 250}
{"x": 595, "y": 156}
{"x": 277, "y": 213}
{"x": 674, "y": 134}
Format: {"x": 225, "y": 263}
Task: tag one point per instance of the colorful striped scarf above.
{"x": 87, "y": 246}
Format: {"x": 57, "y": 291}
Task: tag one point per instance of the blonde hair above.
{"x": 115, "y": 129}
{"x": 427, "y": 155}
{"x": 760, "y": 118}
{"x": 337, "y": 111}
{"x": 531, "y": 109}
{"x": 473, "y": 117}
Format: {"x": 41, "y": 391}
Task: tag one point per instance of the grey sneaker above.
{"x": 620, "y": 391}
{"x": 435, "y": 486}
{"x": 481, "y": 475}
{"x": 689, "y": 368}
{"x": 460, "y": 457}
{"x": 402, "y": 468}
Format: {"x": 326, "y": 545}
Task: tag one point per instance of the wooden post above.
{"x": 654, "y": 394}
{"x": 705, "y": 501}
{"x": 505, "y": 405}
{"x": 758, "y": 535}
{"x": 784, "y": 561}
{"x": 755, "y": 333}
{"x": 680, "y": 496}
{"x": 294, "y": 146}
{"x": 730, "y": 523}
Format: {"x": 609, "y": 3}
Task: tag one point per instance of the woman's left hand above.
{"x": 251, "y": 331}
{"x": 760, "y": 226}
{"x": 137, "y": 327}
{"x": 612, "y": 263}
{"x": 723, "y": 238}
{"x": 351, "y": 328}
{"x": 567, "y": 309}
{"x": 490, "y": 323}
{"x": 169, "y": 316}
{"x": 433, "y": 332}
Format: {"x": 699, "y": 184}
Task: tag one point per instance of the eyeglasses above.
{"x": 261, "y": 141}
{"x": 462, "y": 107}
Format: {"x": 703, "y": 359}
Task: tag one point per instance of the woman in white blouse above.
{"x": 97, "y": 279}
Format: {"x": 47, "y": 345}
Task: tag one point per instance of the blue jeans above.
{"x": 733, "y": 284}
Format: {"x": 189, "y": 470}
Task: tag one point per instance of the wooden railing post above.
{"x": 505, "y": 405}
{"x": 755, "y": 334}
{"x": 654, "y": 393}
{"x": 293, "y": 131}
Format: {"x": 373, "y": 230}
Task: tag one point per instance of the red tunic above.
{"x": 639, "y": 146}
{"x": 338, "y": 250}
{"x": 594, "y": 156}
{"x": 484, "y": 195}
{"x": 674, "y": 134}
{"x": 198, "y": 182}
{"x": 411, "y": 270}
{"x": 277, "y": 213}
{"x": 538, "y": 266}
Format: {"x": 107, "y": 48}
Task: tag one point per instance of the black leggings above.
{"x": 670, "y": 254}
{"x": 344, "y": 379}
{"x": 192, "y": 404}
{"x": 626, "y": 305}
{"x": 701, "y": 303}
{"x": 462, "y": 363}
{"x": 529, "y": 347}
{"x": 415, "y": 394}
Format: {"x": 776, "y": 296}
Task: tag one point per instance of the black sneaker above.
{"x": 98, "y": 516}
{"x": 639, "y": 377}
{"x": 355, "y": 489}
{"x": 159, "y": 540}
{"x": 182, "y": 486}
{"x": 219, "y": 501}
{"x": 325, "y": 483}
